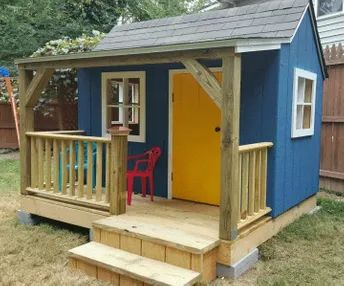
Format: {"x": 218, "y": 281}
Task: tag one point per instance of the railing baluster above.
{"x": 257, "y": 181}
{"x": 240, "y": 186}
{"x": 81, "y": 162}
{"x": 108, "y": 173}
{"x": 72, "y": 168}
{"x": 64, "y": 174}
{"x": 40, "y": 166}
{"x": 245, "y": 182}
{"x": 264, "y": 161}
{"x": 56, "y": 165}
{"x": 251, "y": 191}
{"x": 48, "y": 165}
{"x": 253, "y": 159}
{"x": 89, "y": 170}
{"x": 33, "y": 162}
{"x": 99, "y": 177}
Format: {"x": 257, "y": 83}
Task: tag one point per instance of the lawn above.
{"x": 308, "y": 252}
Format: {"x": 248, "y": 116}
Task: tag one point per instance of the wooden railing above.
{"x": 81, "y": 170}
{"x": 252, "y": 182}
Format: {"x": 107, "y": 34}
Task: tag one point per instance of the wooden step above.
{"x": 160, "y": 232}
{"x": 161, "y": 239}
{"x": 115, "y": 265}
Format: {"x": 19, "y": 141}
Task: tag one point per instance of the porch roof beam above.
{"x": 206, "y": 79}
{"x": 97, "y": 59}
{"x": 37, "y": 85}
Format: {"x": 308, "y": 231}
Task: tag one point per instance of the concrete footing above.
{"x": 239, "y": 268}
{"x": 27, "y": 218}
{"x": 90, "y": 234}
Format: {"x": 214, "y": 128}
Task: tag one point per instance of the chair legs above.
{"x": 144, "y": 186}
{"x": 151, "y": 185}
{"x": 130, "y": 182}
{"x": 130, "y": 186}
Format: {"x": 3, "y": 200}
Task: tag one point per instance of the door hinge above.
{"x": 172, "y": 97}
{"x": 172, "y": 176}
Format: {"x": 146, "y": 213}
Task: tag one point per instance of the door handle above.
{"x": 217, "y": 129}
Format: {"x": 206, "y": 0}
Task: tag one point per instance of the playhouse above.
{"x": 232, "y": 98}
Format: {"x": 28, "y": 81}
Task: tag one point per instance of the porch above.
{"x": 98, "y": 174}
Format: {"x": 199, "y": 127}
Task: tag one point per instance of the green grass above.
{"x": 33, "y": 255}
{"x": 308, "y": 252}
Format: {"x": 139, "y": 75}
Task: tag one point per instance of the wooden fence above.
{"x": 332, "y": 137}
{"x": 8, "y": 136}
{"x": 61, "y": 117}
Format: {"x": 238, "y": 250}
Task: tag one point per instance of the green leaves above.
{"x": 67, "y": 45}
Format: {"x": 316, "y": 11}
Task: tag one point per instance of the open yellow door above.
{"x": 196, "y": 142}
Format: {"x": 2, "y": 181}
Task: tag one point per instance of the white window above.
{"x": 123, "y": 103}
{"x": 303, "y": 103}
{"x": 328, "y": 7}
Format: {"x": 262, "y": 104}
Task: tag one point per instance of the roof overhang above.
{"x": 170, "y": 53}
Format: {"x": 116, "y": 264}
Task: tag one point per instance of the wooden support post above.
{"x": 118, "y": 167}
{"x": 26, "y": 124}
{"x": 229, "y": 203}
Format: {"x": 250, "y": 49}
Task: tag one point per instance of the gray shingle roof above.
{"x": 269, "y": 20}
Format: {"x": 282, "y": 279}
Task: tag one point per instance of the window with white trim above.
{"x": 329, "y": 7}
{"x": 123, "y": 103}
{"x": 303, "y": 103}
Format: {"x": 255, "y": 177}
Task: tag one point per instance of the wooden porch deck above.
{"x": 169, "y": 234}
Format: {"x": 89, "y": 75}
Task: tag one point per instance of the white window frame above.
{"x": 316, "y": 2}
{"x": 300, "y": 73}
{"x": 132, "y": 74}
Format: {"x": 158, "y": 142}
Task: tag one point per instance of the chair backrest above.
{"x": 153, "y": 156}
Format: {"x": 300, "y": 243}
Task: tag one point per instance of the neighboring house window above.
{"x": 123, "y": 102}
{"x": 329, "y": 7}
{"x": 303, "y": 103}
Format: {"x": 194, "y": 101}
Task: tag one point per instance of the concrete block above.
{"x": 27, "y": 218}
{"x": 239, "y": 268}
{"x": 90, "y": 234}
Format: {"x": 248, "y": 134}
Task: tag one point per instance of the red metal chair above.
{"x": 143, "y": 168}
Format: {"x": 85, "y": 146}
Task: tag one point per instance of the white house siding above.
{"x": 331, "y": 29}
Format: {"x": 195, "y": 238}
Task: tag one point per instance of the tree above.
{"x": 26, "y": 25}
{"x": 140, "y": 10}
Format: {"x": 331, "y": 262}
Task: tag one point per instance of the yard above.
{"x": 308, "y": 252}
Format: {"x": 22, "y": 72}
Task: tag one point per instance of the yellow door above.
{"x": 196, "y": 142}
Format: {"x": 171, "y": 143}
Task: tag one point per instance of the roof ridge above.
{"x": 275, "y": 19}
{"x": 233, "y": 11}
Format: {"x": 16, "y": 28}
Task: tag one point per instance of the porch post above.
{"x": 118, "y": 166}
{"x": 26, "y": 125}
{"x": 230, "y": 121}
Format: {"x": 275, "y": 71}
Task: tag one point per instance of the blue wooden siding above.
{"x": 156, "y": 112}
{"x": 297, "y": 162}
{"x": 258, "y": 116}
{"x": 266, "y": 111}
